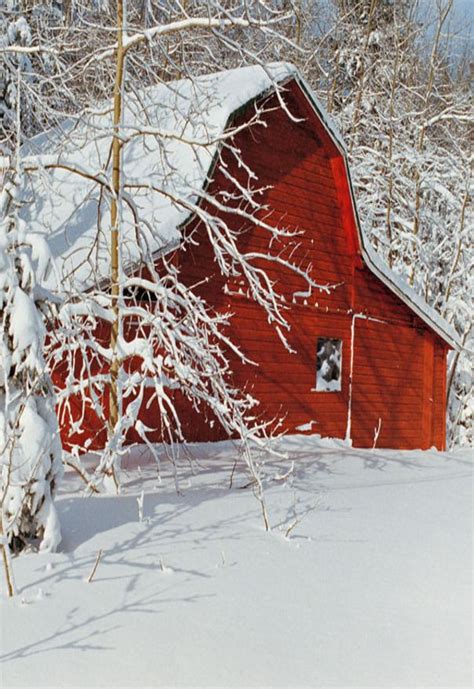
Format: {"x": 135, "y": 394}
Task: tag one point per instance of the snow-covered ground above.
{"x": 372, "y": 587}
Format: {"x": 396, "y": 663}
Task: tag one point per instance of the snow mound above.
{"x": 365, "y": 579}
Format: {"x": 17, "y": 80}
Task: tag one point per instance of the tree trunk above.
{"x": 114, "y": 402}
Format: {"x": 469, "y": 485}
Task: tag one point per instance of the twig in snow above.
{"x": 248, "y": 485}
{"x": 377, "y": 433}
{"x": 232, "y": 475}
{"x": 7, "y": 565}
{"x": 298, "y": 518}
{"x": 283, "y": 477}
{"x": 292, "y": 526}
{"x": 164, "y": 568}
{"x": 140, "y": 501}
{"x": 94, "y": 569}
{"x": 83, "y": 474}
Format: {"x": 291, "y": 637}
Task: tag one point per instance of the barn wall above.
{"x": 392, "y": 379}
{"x": 303, "y": 199}
{"x": 411, "y": 370}
{"x": 285, "y": 383}
{"x": 387, "y": 407}
{"x": 294, "y": 160}
{"x": 371, "y": 295}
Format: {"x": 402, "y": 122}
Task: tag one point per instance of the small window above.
{"x": 328, "y": 364}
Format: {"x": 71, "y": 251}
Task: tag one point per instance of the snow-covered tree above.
{"x": 30, "y": 448}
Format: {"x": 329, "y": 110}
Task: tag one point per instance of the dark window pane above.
{"x": 328, "y": 364}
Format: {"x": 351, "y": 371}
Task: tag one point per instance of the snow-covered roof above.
{"x": 187, "y": 116}
{"x": 71, "y": 164}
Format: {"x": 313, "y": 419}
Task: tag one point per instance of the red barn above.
{"x": 368, "y": 357}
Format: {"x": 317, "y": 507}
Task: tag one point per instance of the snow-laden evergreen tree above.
{"x": 30, "y": 447}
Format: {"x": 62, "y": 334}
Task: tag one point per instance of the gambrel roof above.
{"x": 185, "y": 122}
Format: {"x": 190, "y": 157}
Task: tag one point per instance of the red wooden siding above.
{"x": 285, "y": 383}
{"x": 392, "y": 379}
{"x": 439, "y": 395}
{"x": 387, "y": 385}
{"x": 371, "y": 295}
